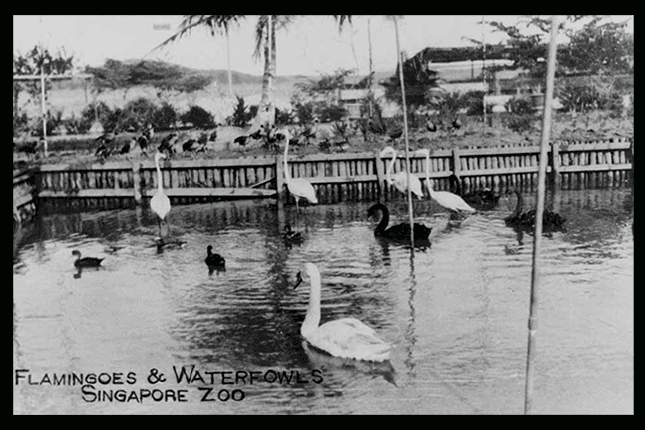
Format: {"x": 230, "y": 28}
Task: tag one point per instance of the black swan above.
{"x": 550, "y": 220}
{"x": 397, "y": 233}
{"x": 87, "y": 261}
{"x": 214, "y": 260}
{"x": 482, "y": 199}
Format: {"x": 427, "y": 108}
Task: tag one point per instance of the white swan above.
{"x": 446, "y": 199}
{"x": 300, "y": 188}
{"x": 345, "y": 337}
{"x": 400, "y": 180}
{"x": 160, "y": 203}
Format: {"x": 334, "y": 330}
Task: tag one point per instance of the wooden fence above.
{"x": 335, "y": 177}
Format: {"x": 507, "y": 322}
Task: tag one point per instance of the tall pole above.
{"x": 228, "y": 61}
{"x": 43, "y": 100}
{"x": 405, "y": 133}
{"x": 546, "y": 128}
{"x": 270, "y": 39}
{"x": 484, "y": 67}
{"x": 369, "y": 42}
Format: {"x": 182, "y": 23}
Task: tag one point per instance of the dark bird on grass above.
{"x": 551, "y": 221}
{"x": 167, "y": 144}
{"x": 457, "y": 124}
{"x": 399, "y": 233}
{"x": 257, "y": 134}
{"x": 107, "y": 138}
{"x": 482, "y": 199}
{"x": 394, "y": 133}
{"x": 213, "y": 260}
{"x": 143, "y": 143}
{"x": 324, "y": 145}
{"x": 241, "y": 140}
{"x": 31, "y": 147}
{"x": 431, "y": 126}
{"x": 126, "y": 146}
{"x": 376, "y": 127}
{"x": 342, "y": 145}
{"x": 191, "y": 145}
{"x": 292, "y": 236}
{"x": 86, "y": 261}
{"x": 102, "y": 152}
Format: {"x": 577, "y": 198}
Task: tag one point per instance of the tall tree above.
{"x": 265, "y": 112}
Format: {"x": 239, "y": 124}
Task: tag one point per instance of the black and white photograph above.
{"x": 323, "y": 215}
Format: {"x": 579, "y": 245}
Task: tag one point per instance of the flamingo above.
{"x": 345, "y": 337}
{"x": 160, "y": 203}
{"x": 400, "y": 181}
{"x": 445, "y": 198}
{"x": 299, "y": 187}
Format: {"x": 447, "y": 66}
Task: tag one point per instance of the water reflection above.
{"x": 456, "y": 311}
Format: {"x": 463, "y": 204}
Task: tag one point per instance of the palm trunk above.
{"x": 266, "y": 113}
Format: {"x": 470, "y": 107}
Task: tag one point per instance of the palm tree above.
{"x": 266, "y": 110}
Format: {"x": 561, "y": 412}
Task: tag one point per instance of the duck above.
{"x": 213, "y": 260}
{"x": 482, "y": 199}
{"x": 398, "y": 233}
{"x": 346, "y": 337}
{"x": 86, "y": 261}
{"x": 550, "y": 220}
{"x": 292, "y": 236}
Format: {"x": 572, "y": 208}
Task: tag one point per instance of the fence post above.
{"x": 456, "y": 163}
{"x": 136, "y": 175}
{"x": 380, "y": 176}
{"x": 279, "y": 176}
{"x": 555, "y": 165}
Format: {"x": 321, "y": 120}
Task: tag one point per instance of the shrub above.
{"x": 329, "y": 113}
{"x": 520, "y": 123}
{"x": 137, "y": 113}
{"x": 198, "y": 117}
{"x": 284, "y": 117}
{"x": 304, "y": 112}
{"x": 519, "y": 106}
{"x": 75, "y": 125}
{"x": 165, "y": 117}
{"x": 20, "y": 124}
{"x": 239, "y": 118}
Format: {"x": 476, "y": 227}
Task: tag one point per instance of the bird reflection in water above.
{"x": 215, "y": 269}
{"x": 321, "y": 360}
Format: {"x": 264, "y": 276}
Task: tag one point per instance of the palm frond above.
{"x": 216, "y": 23}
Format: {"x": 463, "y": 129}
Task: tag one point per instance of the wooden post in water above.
{"x": 555, "y": 165}
{"x": 456, "y": 163}
{"x": 405, "y": 133}
{"x": 380, "y": 176}
{"x": 279, "y": 176}
{"x": 537, "y": 240}
{"x": 136, "y": 176}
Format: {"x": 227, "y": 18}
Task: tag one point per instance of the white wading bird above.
{"x": 160, "y": 203}
{"x": 299, "y": 187}
{"x": 446, "y": 199}
{"x": 345, "y": 337}
{"x": 400, "y": 180}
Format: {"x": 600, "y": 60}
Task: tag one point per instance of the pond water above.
{"x": 456, "y": 312}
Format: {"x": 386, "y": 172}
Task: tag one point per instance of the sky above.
{"x": 311, "y": 46}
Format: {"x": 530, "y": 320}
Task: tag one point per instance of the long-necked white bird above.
{"x": 445, "y": 198}
{"x": 345, "y": 337}
{"x": 400, "y": 180}
{"x": 300, "y": 188}
{"x": 160, "y": 203}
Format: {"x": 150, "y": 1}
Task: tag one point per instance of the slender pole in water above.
{"x": 546, "y": 128}
{"x": 43, "y": 102}
{"x": 405, "y": 133}
{"x": 484, "y": 67}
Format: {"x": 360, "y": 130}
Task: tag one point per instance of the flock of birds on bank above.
{"x": 348, "y": 337}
